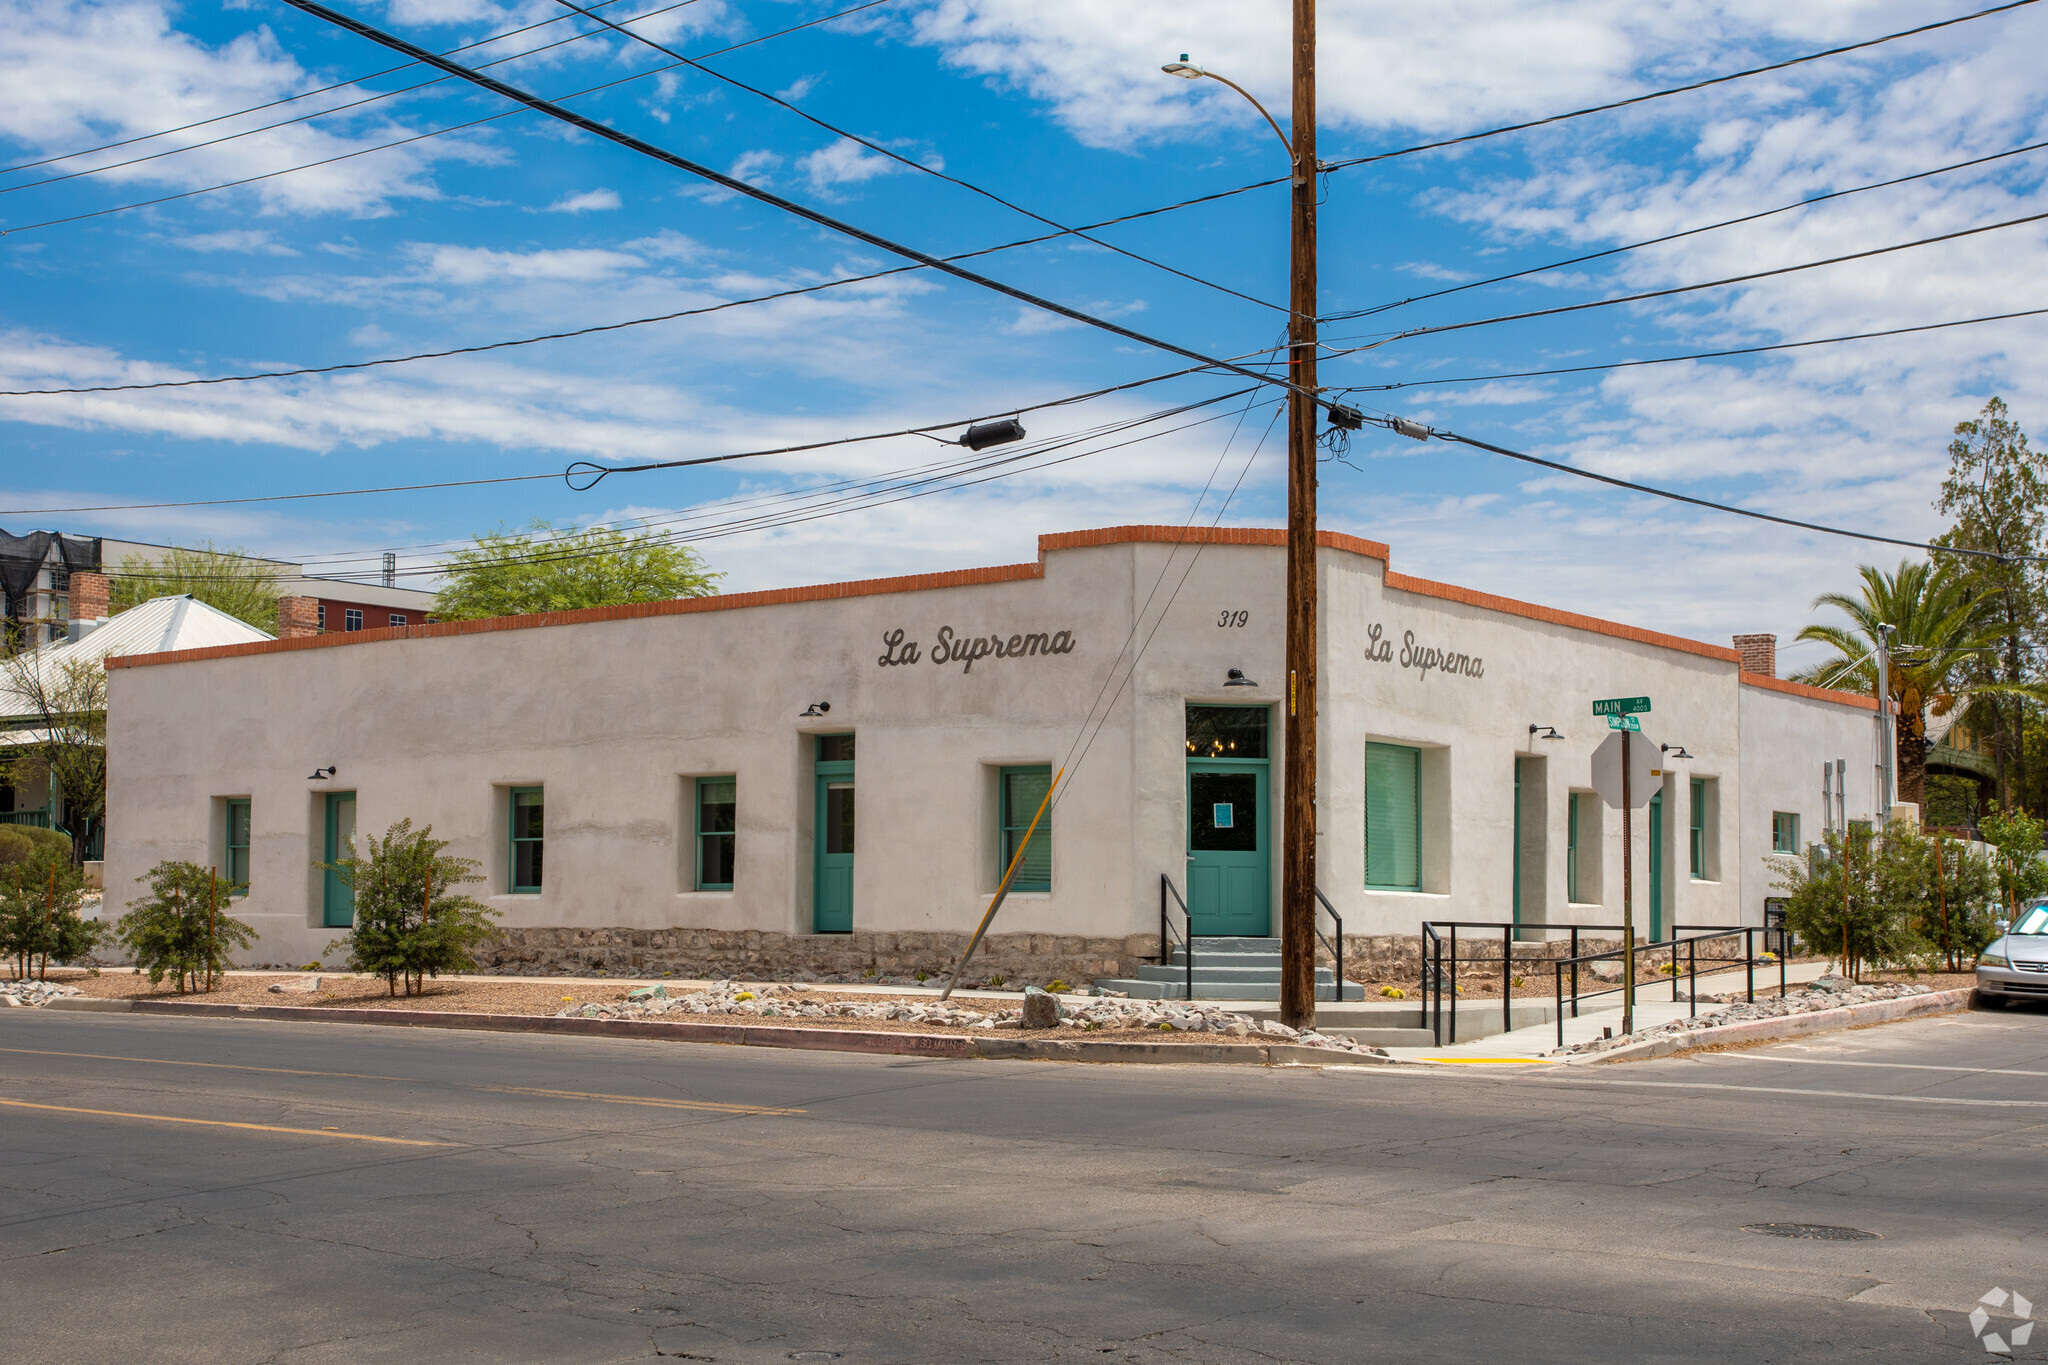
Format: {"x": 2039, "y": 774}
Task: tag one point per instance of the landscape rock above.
{"x": 298, "y": 985}
{"x": 1828, "y": 993}
{"x": 15, "y": 994}
{"x": 1040, "y": 1009}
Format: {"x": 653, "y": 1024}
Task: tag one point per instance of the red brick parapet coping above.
{"x": 1262, "y": 536}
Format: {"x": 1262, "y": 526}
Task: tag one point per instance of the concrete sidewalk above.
{"x": 1654, "y": 1006}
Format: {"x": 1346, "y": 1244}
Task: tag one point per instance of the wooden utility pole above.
{"x": 1298, "y": 793}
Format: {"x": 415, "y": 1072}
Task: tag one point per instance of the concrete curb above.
{"x": 1787, "y": 1026}
{"x": 763, "y": 1035}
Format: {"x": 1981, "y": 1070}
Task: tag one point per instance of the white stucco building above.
{"x": 693, "y": 765}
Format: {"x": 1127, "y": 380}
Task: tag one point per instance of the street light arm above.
{"x": 1177, "y": 69}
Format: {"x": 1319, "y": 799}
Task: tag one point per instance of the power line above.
{"x": 323, "y": 113}
{"x": 741, "y": 187}
{"x": 1696, "y": 355}
{"x": 1707, "y": 284}
{"x": 1675, "y": 236}
{"x": 1677, "y": 89}
{"x": 919, "y": 166}
{"x": 625, "y": 469}
{"x": 288, "y": 99}
{"x": 1707, "y": 503}
{"x": 421, "y": 137}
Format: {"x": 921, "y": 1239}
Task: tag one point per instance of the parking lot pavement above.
{"x": 225, "y": 1191}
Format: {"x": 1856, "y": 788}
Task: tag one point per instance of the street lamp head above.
{"x": 1184, "y": 69}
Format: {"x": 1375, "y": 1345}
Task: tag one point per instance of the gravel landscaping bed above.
{"x": 14, "y": 994}
{"x": 1828, "y": 993}
{"x": 1108, "y": 1018}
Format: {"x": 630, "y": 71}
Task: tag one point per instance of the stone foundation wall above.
{"x": 1020, "y": 959}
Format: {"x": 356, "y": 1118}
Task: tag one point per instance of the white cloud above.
{"x": 844, "y": 162}
{"x": 754, "y": 168}
{"x": 244, "y": 240}
{"x": 470, "y": 265}
{"x": 79, "y": 75}
{"x": 589, "y": 201}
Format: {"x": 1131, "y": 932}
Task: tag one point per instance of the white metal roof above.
{"x": 152, "y": 627}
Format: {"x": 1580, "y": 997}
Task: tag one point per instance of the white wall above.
{"x": 612, "y": 716}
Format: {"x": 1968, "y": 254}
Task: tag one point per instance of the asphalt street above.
{"x": 228, "y": 1191}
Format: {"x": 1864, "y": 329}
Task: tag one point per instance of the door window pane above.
{"x": 839, "y": 817}
{"x": 1223, "y": 812}
{"x": 835, "y": 748}
{"x": 1393, "y": 797}
{"x": 717, "y": 823}
{"x": 528, "y": 809}
{"x": 1571, "y": 848}
{"x": 1023, "y": 790}
{"x": 1227, "y": 731}
{"x": 1699, "y": 829}
{"x": 237, "y": 859}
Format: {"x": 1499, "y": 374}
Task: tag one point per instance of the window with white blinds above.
{"x": 1393, "y": 802}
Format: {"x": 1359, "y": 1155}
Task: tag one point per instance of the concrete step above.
{"x": 1152, "y": 971}
{"x": 1174, "y": 987}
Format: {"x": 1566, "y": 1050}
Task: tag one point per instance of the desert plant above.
{"x": 410, "y": 921}
{"x": 182, "y": 928}
{"x": 1961, "y": 917}
{"x": 40, "y": 896}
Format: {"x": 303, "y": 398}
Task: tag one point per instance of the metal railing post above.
{"x": 1507, "y": 980}
{"x": 1165, "y": 958}
{"x": 1575, "y": 971}
{"x": 1749, "y": 965}
{"x": 1557, "y": 971}
{"x": 1454, "y": 984}
{"x": 1692, "y": 953}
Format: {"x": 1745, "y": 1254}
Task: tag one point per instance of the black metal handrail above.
{"x": 1336, "y": 948}
{"x": 1434, "y": 974}
{"x": 1688, "y": 936}
{"x": 1166, "y": 888}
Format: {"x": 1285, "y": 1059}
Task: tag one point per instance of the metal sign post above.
{"x": 1622, "y": 715}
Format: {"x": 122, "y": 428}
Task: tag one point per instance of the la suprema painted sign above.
{"x": 1424, "y": 659}
{"x": 967, "y": 650}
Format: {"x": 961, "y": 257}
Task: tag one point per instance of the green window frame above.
{"x": 1393, "y": 817}
{"x": 1784, "y": 831}
{"x": 1699, "y": 829}
{"x": 1023, "y": 789}
{"x": 235, "y": 847}
{"x": 526, "y": 839}
{"x": 1571, "y": 847}
{"x": 717, "y": 831}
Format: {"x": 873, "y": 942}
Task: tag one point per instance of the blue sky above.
{"x": 518, "y": 226}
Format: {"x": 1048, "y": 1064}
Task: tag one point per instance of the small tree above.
{"x": 1965, "y": 907}
{"x": 2015, "y": 838}
{"x": 226, "y": 580}
{"x": 182, "y": 928}
{"x": 40, "y": 897}
{"x": 561, "y": 568}
{"x": 410, "y": 922}
{"x": 1856, "y": 895}
{"x": 66, "y": 705}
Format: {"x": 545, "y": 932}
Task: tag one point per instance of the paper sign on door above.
{"x": 1225, "y": 815}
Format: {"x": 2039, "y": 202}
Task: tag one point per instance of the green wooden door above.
{"x": 337, "y": 898}
{"x": 1229, "y": 853}
{"x": 832, "y": 892}
{"x": 1657, "y": 866}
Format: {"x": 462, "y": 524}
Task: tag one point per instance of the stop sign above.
{"x": 1642, "y": 757}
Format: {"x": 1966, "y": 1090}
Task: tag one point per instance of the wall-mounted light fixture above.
{"x": 1675, "y": 750}
{"x": 1545, "y": 732}
{"x": 816, "y": 708}
{"x": 1236, "y": 678}
{"x": 321, "y": 774}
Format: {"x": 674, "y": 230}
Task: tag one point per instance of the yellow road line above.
{"x": 223, "y": 1123}
{"x": 708, "y": 1106}
{"x": 212, "y": 1066}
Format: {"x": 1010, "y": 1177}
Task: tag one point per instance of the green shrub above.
{"x": 410, "y": 922}
{"x": 40, "y": 896}
{"x": 182, "y": 928}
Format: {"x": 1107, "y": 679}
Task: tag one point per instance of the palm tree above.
{"x": 1939, "y": 626}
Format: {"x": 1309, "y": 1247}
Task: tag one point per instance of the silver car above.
{"x": 2015, "y": 966}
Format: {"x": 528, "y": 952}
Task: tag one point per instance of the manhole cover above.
{"x": 1816, "y": 1232}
